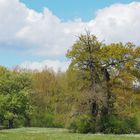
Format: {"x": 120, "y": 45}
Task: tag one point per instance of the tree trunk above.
{"x": 27, "y": 121}
{"x": 10, "y": 123}
{"x": 106, "y": 108}
{"x": 94, "y": 109}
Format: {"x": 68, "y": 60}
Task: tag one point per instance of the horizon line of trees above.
{"x": 100, "y": 91}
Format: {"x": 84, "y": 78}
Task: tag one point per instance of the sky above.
{"x": 70, "y": 9}
{"x": 36, "y": 34}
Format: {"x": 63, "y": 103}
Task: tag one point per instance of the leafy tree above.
{"x": 14, "y": 96}
{"x": 99, "y": 67}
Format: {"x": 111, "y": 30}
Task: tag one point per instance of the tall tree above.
{"x": 98, "y": 64}
{"x": 14, "y": 96}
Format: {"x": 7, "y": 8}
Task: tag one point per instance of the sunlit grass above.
{"x": 57, "y": 134}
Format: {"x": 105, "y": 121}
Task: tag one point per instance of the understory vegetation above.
{"x": 99, "y": 92}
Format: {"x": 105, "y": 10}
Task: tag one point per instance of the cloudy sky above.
{"x": 37, "y": 33}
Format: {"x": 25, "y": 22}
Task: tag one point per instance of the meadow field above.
{"x": 57, "y": 134}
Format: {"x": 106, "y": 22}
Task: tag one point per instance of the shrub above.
{"x": 44, "y": 120}
{"x": 116, "y": 125}
{"x": 82, "y": 124}
{"x": 109, "y": 125}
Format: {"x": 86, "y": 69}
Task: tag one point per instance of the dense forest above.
{"x": 99, "y": 92}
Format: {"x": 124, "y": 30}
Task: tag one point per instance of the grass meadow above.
{"x": 57, "y": 134}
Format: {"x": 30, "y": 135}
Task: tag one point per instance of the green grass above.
{"x": 57, "y": 134}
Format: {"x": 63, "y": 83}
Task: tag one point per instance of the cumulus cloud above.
{"x": 119, "y": 22}
{"x": 46, "y": 34}
{"x": 53, "y": 64}
{"x": 13, "y": 18}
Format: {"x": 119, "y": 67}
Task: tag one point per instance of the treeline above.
{"x": 100, "y": 91}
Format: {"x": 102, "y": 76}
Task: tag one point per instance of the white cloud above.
{"x": 46, "y": 34}
{"x": 49, "y": 34}
{"x": 53, "y": 64}
{"x": 12, "y": 19}
{"x": 119, "y": 22}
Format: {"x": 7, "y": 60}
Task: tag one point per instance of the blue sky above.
{"x": 70, "y": 9}
{"x": 35, "y": 33}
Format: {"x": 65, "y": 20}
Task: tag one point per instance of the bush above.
{"x": 116, "y": 125}
{"x": 44, "y": 120}
{"x": 82, "y": 124}
{"x": 108, "y": 125}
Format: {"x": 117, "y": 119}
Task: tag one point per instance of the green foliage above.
{"x": 108, "y": 125}
{"x": 82, "y": 124}
{"x": 108, "y": 72}
{"x": 116, "y": 125}
{"x": 45, "y": 120}
{"x": 100, "y": 82}
{"x": 14, "y": 96}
